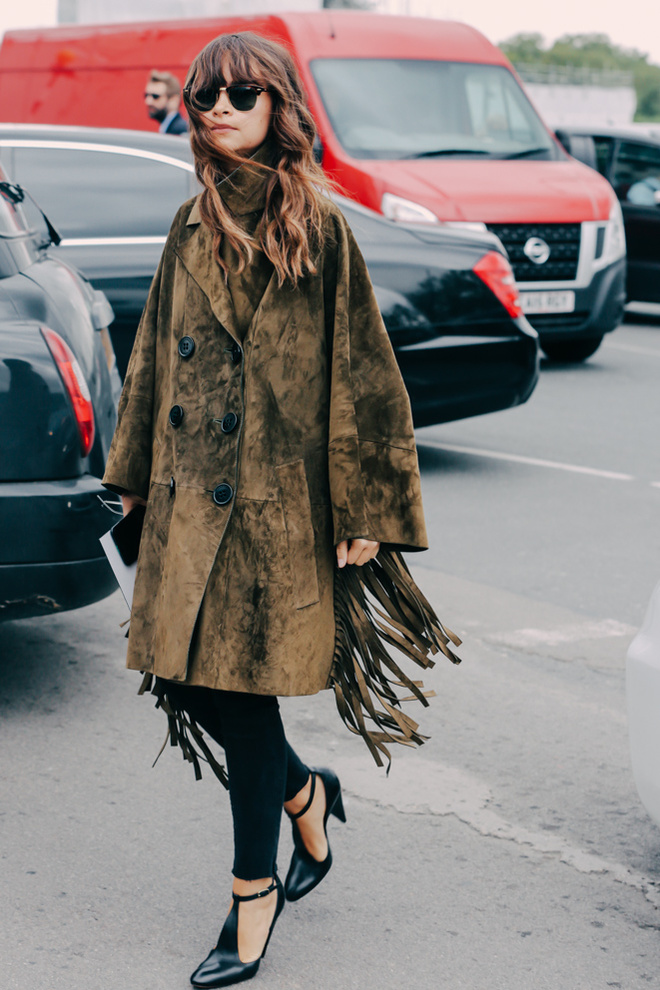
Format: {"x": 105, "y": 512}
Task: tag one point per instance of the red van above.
{"x": 423, "y": 120}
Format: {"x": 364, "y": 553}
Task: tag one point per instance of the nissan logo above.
{"x": 537, "y": 250}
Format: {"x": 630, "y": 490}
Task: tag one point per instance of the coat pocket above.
{"x": 297, "y": 509}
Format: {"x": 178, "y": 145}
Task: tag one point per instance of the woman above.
{"x": 265, "y": 425}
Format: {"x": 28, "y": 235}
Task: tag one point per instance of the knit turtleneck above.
{"x": 244, "y": 189}
{"x": 244, "y": 192}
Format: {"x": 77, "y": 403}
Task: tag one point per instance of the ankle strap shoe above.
{"x": 305, "y": 872}
{"x": 223, "y": 966}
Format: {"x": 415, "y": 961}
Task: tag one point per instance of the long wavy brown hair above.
{"x": 290, "y": 231}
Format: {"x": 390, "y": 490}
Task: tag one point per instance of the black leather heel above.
{"x": 223, "y": 966}
{"x": 305, "y": 872}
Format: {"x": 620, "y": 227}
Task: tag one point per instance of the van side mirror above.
{"x": 580, "y": 146}
{"x": 317, "y": 150}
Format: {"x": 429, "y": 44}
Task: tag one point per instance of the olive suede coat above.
{"x": 234, "y": 586}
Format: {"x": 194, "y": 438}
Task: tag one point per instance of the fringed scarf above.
{"x": 377, "y": 606}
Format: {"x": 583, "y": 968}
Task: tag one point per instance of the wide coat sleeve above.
{"x": 373, "y": 470}
{"x": 128, "y": 468}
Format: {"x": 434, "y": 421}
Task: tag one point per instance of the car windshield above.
{"x": 412, "y": 108}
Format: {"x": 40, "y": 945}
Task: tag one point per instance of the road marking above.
{"x": 532, "y": 461}
{"x": 573, "y": 633}
{"x": 425, "y": 787}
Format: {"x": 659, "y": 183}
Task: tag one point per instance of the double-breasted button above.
{"x": 186, "y": 347}
{"x": 229, "y": 422}
{"x": 176, "y": 416}
{"x": 172, "y": 487}
{"x": 223, "y": 494}
{"x": 236, "y": 353}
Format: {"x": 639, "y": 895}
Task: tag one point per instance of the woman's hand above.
{"x": 359, "y": 552}
{"x": 129, "y": 502}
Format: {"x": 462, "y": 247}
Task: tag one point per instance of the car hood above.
{"x": 498, "y": 191}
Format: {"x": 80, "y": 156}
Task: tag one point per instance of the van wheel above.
{"x": 571, "y": 350}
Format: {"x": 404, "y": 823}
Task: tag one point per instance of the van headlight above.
{"x": 405, "y": 211}
{"x": 614, "y": 246}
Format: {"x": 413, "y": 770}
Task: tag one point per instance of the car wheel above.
{"x": 571, "y": 350}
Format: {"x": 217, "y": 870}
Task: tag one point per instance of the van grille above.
{"x": 563, "y": 239}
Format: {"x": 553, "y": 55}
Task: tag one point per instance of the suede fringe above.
{"x": 182, "y": 731}
{"x": 376, "y": 606}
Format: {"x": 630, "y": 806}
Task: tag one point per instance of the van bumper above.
{"x": 599, "y": 307}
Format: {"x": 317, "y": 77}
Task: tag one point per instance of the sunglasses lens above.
{"x": 203, "y": 99}
{"x": 242, "y": 97}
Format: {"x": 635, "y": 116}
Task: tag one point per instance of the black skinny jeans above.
{"x": 263, "y": 769}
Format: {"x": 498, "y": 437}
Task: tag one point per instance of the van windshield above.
{"x": 411, "y": 108}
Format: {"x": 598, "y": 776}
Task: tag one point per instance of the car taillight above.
{"x": 496, "y": 272}
{"x": 76, "y": 387}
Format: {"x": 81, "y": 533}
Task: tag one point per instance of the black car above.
{"x": 630, "y": 158}
{"x": 446, "y": 296}
{"x": 58, "y": 393}
{"x": 112, "y": 195}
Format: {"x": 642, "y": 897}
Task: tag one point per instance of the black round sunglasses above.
{"x": 242, "y": 97}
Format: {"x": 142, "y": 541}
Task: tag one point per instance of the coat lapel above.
{"x": 195, "y": 249}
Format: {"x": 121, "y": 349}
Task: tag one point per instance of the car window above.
{"x": 603, "y": 153}
{"x": 101, "y": 194}
{"x": 636, "y": 177}
{"x": 403, "y": 108}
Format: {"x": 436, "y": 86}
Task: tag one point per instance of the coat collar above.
{"x": 244, "y": 192}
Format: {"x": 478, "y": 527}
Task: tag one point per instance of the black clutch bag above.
{"x": 126, "y": 534}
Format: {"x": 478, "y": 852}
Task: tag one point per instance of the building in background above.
{"x": 569, "y": 95}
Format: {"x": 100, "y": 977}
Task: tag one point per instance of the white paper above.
{"x": 125, "y": 573}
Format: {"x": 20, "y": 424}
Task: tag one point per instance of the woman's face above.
{"x": 238, "y": 131}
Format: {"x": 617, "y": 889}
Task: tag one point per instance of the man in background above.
{"x": 162, "y": 97}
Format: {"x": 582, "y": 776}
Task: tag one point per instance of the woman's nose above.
{"x": 223, "y": 103}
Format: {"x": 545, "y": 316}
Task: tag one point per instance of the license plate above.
{"x": 547, "y": 302}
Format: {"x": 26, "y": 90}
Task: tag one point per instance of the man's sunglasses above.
{"x": 241, "y": 97}
{"x": 154, "y": 96}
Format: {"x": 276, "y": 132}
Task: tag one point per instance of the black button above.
{"x": 236, "y": 353}
{"x": 176, "y": 415}
{"x": 229, "y": 422}
{"x": 172, "y": 487}
{"x": 223, "y": 494}
{"x": 186, "y": 347}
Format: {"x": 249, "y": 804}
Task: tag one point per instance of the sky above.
{"x": 635, "y": 24}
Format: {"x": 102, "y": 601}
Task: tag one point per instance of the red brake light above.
{"x": 496, "y": 272}
{"x": 76, "y": 386}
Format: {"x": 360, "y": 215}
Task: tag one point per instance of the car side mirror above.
{"x": 102, "y": 312}
{"x": 580, "y": 146}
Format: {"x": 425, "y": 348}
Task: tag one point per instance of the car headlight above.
{"x": 465, "y": 224}
{"x": 614, "y": 246}
{"x": 405, "y": 211}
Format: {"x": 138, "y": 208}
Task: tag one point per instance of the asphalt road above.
{"x": 510, "y": 853}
